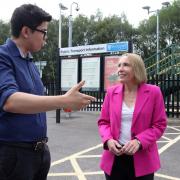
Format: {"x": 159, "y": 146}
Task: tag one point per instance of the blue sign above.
{"x": 121, "y": 46}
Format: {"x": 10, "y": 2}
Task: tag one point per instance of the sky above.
{"x": 132, "y": 8}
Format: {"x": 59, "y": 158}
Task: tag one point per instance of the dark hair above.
{"x": 27, "y": 15}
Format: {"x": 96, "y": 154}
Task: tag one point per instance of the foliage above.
{"x": 4, "y": 31}
{"x": 50, "y": 52}
{"x": 169, "y": 29}
{"x": 170, "y": 26}
{"x": 97, "y": 29}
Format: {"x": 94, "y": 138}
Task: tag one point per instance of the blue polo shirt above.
{"x": 18, "y": 74}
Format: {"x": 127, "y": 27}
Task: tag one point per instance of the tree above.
{"x": 4, "y": 31}
{"x": 98, "y": 29}
{"x": 145, "y": 36}
{"x": 170, "y": 24}
{"x": 50, "y": 52}
{"x": 80, "y": 28}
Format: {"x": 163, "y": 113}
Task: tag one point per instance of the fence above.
{"x": 169, "y": 84}
{"x": 170, "y": 88}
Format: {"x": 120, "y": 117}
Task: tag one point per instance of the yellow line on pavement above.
{"x": 161, "y": 150}
{"x": 61, "y": 174}
{"x": 167, "y": 177}
{"x": 94, "y": 173}
{"x": 82, "y": 154}
{"x": 74, "y": 174}
{"x": 101, "y": 173}
{"x": 163, "y": 141}
{"x": 89, "y": 156}
{"x": 75, "y": 155}
{"x": 164, "y": 137}
{"x": 171, "y": 127}
{"x": 172, "y": 133}
{"x": 77, "y": 169}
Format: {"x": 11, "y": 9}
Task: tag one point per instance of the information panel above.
{"x": 96, "y": 48}
{"x": 91, "y": 73}
{"x": 69, "y": 73}
{"x": 110, "y": 71}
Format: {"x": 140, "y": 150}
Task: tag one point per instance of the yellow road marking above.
{"x": 167, "y": 177}
{"x": 75, "y": 155}
{"x": 81, "y": 175}
{"x": 174, "y": 128}
{"x": 89, "y": 156}
{"x": 173, "y": 141}
{"x": 166, "y": 138}
{"x": 77, "y": 169}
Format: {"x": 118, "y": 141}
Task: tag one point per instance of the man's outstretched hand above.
{"x": 77, "y": 100}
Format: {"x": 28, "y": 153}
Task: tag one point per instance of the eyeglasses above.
{"x": 44, "y": 32}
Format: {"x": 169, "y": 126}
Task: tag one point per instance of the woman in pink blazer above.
{"x": 132, "y": 119}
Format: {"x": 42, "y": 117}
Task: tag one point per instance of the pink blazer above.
{"x": 148, "y": 124}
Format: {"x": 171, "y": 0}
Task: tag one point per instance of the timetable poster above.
{"x": 91, "y": 73}
{"x": 110, "y": 71}
{"x": 69, "y": 73}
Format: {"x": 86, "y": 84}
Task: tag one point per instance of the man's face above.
{"x": 38, "y": 37}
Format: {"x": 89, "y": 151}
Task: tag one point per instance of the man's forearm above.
{"x": 29, "y": 104}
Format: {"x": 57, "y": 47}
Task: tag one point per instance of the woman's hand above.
{"x": 114, "y": 147}
{"x": 131, "y": 147}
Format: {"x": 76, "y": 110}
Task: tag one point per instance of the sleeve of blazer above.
{"x": 104, "y": 119}
{"x": 159, "y": 121}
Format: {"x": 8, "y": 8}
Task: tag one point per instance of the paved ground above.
{"x": 76, "y": 148}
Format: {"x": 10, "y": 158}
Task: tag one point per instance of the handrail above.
{"x": 169, "y": 62}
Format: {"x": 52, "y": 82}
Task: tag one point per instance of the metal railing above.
{"x": 169, "y": 62}
{"x": 169, "y": 84}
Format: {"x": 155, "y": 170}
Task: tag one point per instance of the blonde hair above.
{"x": 138, "y": 67}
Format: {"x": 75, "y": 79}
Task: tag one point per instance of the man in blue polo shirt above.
{"x": 24, "y": 154}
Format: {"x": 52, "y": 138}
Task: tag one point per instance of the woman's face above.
{"x": 125, "y": 71}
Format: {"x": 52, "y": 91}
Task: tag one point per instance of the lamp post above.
{"x": 157, "y": 31}
{"x": 70, "y": 24}
{"x": 61, "y": 7}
